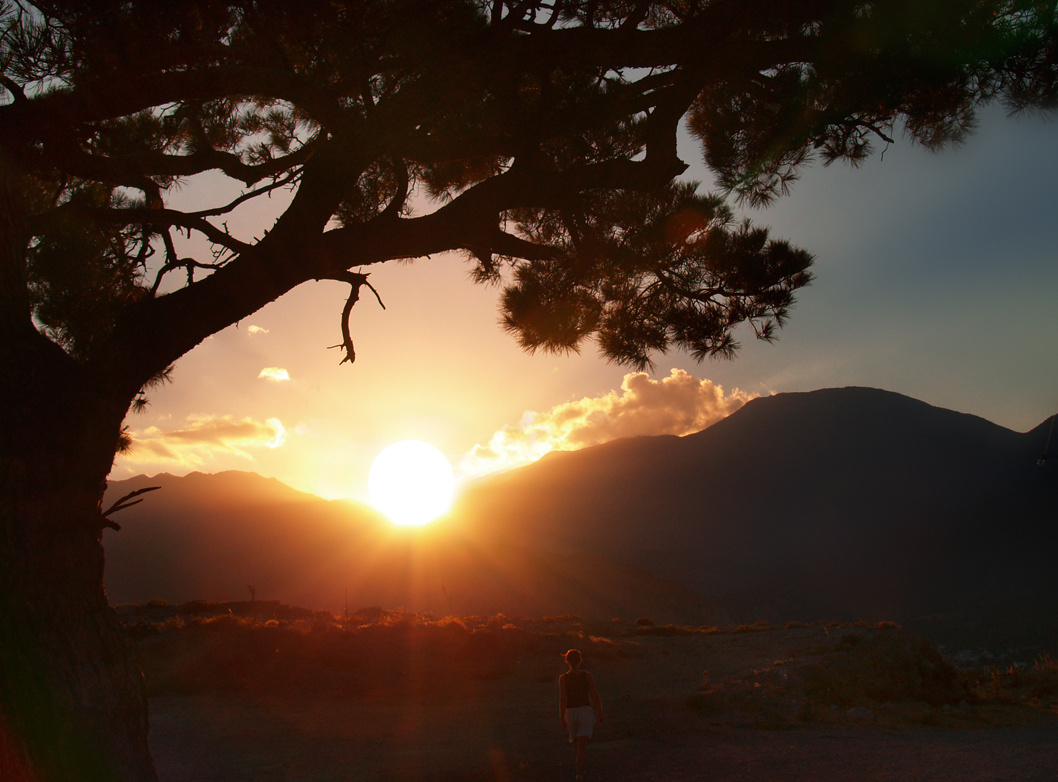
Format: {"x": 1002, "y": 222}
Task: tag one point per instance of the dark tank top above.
{"x": 576, "y": 689}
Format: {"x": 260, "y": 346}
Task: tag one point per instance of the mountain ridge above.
{"x": 838, "y": 503}
{"x": 797, "y": 484}
{"x": 215, "y": 536}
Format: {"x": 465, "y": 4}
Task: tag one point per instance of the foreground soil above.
{"x": 465, "y": 701}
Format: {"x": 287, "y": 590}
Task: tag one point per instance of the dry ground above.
{"x": 474, "y": 703}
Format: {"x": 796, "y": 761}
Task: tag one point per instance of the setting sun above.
{"x": 411, "y": 483}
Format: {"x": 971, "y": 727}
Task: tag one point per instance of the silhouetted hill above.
{"x": 844, "y": 503}
{"x": 839, "y": 504}
{"x": 210, "y": 536}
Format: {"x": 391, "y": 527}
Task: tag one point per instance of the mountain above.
{"x": 850, "y": 503}
{"x": 838, "y": 503}
{"x": 214, "y": 536}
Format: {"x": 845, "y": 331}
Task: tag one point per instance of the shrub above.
{"x": 1035, "y": 684}
{"x": 173, "y": 623}
{"x": 665, "y": 630}
{"x": 452, "y": 624}
{"x": 195, "y": 607}
{"x": 499, "y": 622}
{"x": 891, "y": 667}
{"x": 603, "y": 648}
{"x": 224, "y": 621}
{"x": 370, "y": 614}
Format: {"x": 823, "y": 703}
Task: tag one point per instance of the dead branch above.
{"x": 356, "y": 281}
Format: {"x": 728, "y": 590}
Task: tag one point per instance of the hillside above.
{"x": 213, "y": 536}
{"x": 846, "y": 502}
{"x": 843, "y": 504}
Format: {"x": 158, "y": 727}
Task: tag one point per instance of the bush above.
{"x": 1035, "y": 685}
{"x": 891, "y": 668}
{"x": 224, "y": 622}
{"x": 500, "y": 622}
{"x": 603, "y": 648}
{"x": 172, "y": 623}
{"x": 194, "y": 607}
{"x": 665, "y": 630}
{"x": 452, "y": 624}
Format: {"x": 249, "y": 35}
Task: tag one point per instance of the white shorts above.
{"x": 580, "y": 721}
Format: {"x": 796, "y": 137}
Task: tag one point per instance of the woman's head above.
{"x": 573, "y": 658}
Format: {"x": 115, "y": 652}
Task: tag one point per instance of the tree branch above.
{"x": 54, "y": 113}
{"x": 298, "y": 248}
{"x": 470, "y": 221}
{"x": 18, "y": 94}
{"x": 167, "y": 217}
{"x": 707, "y": 40}
{"x": 356, "y": 281}
{"x": 122, "y": 504}
{"x": 157, "y": 331}
{"x": 136, "y": 170}
{"x": 396, "y": 205}
{"x": 220, "y": 210}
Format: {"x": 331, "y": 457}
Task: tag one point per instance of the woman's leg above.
{"x": 580, "y": 749}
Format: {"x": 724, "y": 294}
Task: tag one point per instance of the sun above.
{"x": 411, "y": 483}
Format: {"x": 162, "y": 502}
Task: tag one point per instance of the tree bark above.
{"x": 72, "y": 701}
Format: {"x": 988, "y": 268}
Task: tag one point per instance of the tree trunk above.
{"x": 72, "y": 701}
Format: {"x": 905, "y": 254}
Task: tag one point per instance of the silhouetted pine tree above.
{"x": 545, "y": 133}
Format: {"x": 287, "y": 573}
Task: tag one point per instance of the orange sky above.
{"x": 935, "y": 278}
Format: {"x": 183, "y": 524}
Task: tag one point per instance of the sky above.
{"x": 935, "y": 277}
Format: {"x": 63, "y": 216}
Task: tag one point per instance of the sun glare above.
{"x": 411, "y": 483}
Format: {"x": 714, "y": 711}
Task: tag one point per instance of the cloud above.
{"x": 278, "y": 374}
{"x": 204, "y": 437}
{"x": 256, "y": 330}
{"x": 678, "y": 404}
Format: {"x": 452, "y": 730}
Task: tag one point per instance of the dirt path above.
{"x": 230, "y": 740}
{"x": 506, "y": 729}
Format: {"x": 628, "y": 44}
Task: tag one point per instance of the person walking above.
{"x": 579, "y": 708}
